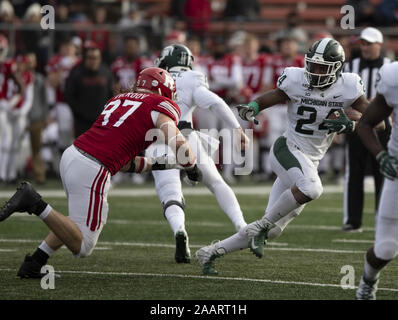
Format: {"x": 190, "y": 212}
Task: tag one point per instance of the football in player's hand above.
{"x": 351, "y": 114}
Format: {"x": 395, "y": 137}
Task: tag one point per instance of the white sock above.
{"x": 229, "y": 204}
{"x": 285, "y": 204}
{"x": 45, "y": 212}
{"x": 370, "y": 273}
{"x": 236, "y": 242}
{"x": 44, "y": 246}
{"x": 176, "y": 218}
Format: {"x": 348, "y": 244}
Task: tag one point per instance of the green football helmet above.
{"x": 175, "y": 55}
{"x": 324, "y": 62}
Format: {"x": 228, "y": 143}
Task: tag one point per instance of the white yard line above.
{"x": 211, "y": 278}
{"x": 352, "y": 241}
{"x": 198, "y": 191}
{"x": 272, "y": 246}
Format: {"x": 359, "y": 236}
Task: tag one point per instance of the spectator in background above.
{"x": 373, "y": 12}
{"x": 6, "y": 12}
{"x": 126, "y": 68}
{"x": 242, "y": 9}
{"x": 37, "y": 118}
{"x": 177, "y": 9}
{"x": 62, "y": 16}
{"x": 293, "y": 28}
{"x": 389, "y": 12}
{"x": 36, "y": 39}
{"x": 100, "y": 36}
{"x": 58, "y": 69}
{"x": 198, "y": 15}
{"x": 88, "y": 88}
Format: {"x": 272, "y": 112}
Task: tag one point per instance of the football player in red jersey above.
{"x": 121, "y": 131}
{"x": 16, "y": 117}
{"x": 8, "y": 72}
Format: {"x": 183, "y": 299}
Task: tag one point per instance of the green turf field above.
{"x": 134, "y": 258}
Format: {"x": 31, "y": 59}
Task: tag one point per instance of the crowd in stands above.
{"x": 98, "y": 50}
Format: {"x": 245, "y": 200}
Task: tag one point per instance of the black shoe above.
{"x": 30, "y": 269}
{"x": 350, "y": 228}
{"x": 24, "y": 200}
{"x": 182, "y": 254}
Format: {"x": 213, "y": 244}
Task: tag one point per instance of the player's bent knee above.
{"x": 386, "y": 249}
{"x": 312, "y": 188}
{"x": 85, "y": 250}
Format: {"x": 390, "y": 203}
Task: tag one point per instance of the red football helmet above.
{"x": 3, "y": 47}
{"x": 157, "y": 80}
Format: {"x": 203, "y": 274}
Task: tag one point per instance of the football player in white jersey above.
{"x": 313, "y": 94}
{"x": 192, "y": 91}
{"x": 385, "y": 247}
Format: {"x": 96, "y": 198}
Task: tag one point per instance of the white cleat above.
{"x": 206, "y": 257}
{"x": 366, "y": 289}
{"x": 257, "y": 232}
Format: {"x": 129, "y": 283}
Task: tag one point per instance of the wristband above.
{"x": 254, "y": 105}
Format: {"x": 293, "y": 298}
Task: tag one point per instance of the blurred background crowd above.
{"x": 98, "y": 47}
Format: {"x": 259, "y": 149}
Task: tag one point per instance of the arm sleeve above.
{"x": 205, "y": 99}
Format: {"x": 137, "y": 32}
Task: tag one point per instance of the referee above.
{"x": 358, "y": 158}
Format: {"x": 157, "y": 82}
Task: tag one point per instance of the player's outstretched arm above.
{"x": 374, "y": 114}
{"x": 183, "y": 152}
{"x": 270, "y": 98}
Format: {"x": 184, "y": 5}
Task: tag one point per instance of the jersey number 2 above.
{"x": 311, "y": 119}
{"x": 114, "y": 105}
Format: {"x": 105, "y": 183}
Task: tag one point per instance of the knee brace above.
{"x": 387, "y": 249}
{"x": 170, "y": 203}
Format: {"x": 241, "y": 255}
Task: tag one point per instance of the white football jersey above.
{"x": 307, "y": 108}
{"x": 387, "y": 85}
{"x": 188, "y": 96}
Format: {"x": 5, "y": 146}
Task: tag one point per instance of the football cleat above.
{"x": 23, "y": 200}
{"x": 30, "y": 269}
{"x": 257, "y": 233}
{"x": 182, "y": 254}
{"x": 366, "y": 289}
{"x": 206, "y": 257}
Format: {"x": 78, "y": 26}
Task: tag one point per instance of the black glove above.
{"x": 194, "y": 176}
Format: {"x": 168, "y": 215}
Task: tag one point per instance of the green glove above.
{"x": 248, "y": 112}
{"x": 340, "y": 125}
{"x": 388, "y": 165}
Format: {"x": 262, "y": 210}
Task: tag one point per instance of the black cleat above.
{"x": 23, "y": 200}
{"x": 30, "y": 269}
{"x": 182, "y": 254}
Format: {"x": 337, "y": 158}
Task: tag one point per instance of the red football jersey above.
{"x": 6, "y": 69}
{"x": 254, "y": 72}
{"x": 118, "y": 134}
{"x": 12, "y": 88}
{"x": 126, "y": 71}
{"x": 222, "y": 73}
